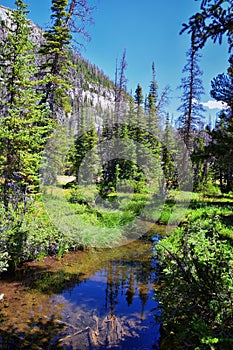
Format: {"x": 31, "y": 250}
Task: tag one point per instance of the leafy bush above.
{"x": 139, "y": 186}
{"x": 11, "y": 241}
{"x": 29, "y": 236}
{"x": 210, "y": 190}
{"x": 136, "y": 206}
{"x": 41, "y": 236}
{"x": 81, "y": 196}
{"x": 196, "y": 293}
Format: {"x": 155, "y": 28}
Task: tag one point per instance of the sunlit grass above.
{"x": 86, "y": 222}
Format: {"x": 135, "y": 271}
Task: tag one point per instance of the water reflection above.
{"x": 96, "y": 300}
{"x": 39, "y": 331}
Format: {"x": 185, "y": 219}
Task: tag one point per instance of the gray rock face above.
{"x": 4, "y": 12}
{"x": 37, "y": 33}
{"x": 84, "y": 93}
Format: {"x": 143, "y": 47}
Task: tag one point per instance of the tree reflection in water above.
{"x": 102, "y": 300}
{"x": 124, "y": 319}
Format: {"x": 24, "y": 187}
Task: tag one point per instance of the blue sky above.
{"x": 149, "y": 31}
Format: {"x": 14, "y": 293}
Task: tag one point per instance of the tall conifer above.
{"x": 190, "y": 108}
{"x": 57, "y": 62}
{"x": 24, "y": 122}
{"x": 152, "y": 101}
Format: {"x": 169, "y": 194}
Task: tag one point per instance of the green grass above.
{"x": 122, "y": 208}
{"x": 73, "y": 218}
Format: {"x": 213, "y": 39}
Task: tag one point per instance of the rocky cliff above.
{"x": 92, "y": 88}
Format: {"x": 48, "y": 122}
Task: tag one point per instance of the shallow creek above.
{"x": 97, "y": 299}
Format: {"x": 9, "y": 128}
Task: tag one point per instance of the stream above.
{"x": 96, "y": 299}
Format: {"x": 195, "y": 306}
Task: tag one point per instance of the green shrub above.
{"x": 196, "y": 293}
{"x": 81, "y": 196}
{"x": 135, "y": 206}
{"x": 139, "y": 186}
{"x": 210, "y": 189}
{"x": 11, "y": 240}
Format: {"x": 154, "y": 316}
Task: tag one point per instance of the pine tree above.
{"x": 131, "y": 116}
{"x": 141, "y": 131}
{"x": 152, "y": 100}
{"x": 214, "y": 20}
{"x": 57, "y": 60}
{"x": 220, "y": 150}
{"x": 138, "y": 97}
{"x": 190, "y": 108}
{"x": 168, "y": 156}
{"x": 120, "y": 90}
{"x": 85, "y": 157}
{"x": 201, "y": 158}
{"x": 153, "y": 85}
{"x": 222, "y": 90}
{"x": 24, "y": 123}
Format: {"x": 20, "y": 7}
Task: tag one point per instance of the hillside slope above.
{"x": 92, "y": 88}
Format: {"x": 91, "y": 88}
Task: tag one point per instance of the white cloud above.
{"x": 211, "y": 104}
